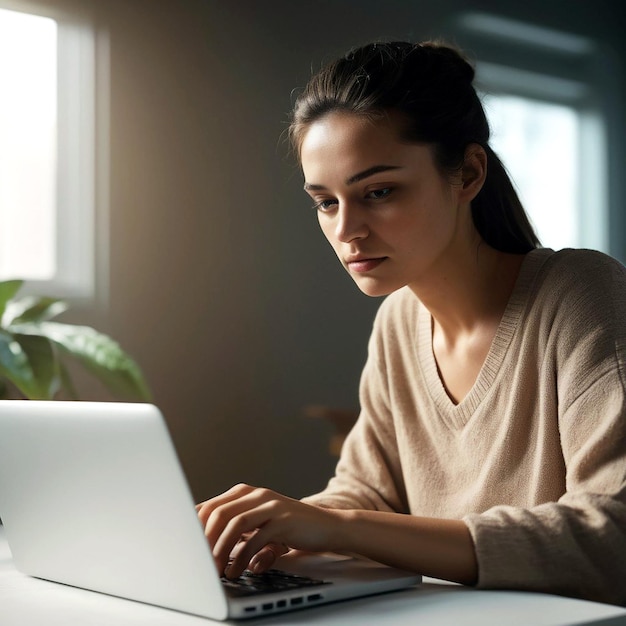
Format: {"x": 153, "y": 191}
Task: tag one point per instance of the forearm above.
{"x": 572, "y": 547}
{"x": 433, "y": 547}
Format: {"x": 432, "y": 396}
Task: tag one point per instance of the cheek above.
{"x": 433, "y": 218}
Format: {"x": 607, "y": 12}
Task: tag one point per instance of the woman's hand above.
{"x": 256, "y": 526}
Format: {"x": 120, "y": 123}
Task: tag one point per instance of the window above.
{"x": 28, "y": 146}
{"x": 47, "y": 150}
{"x": 539, "y": 144}
{"x": 547, "y": 124}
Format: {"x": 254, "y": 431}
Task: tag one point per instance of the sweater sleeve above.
{"x": 576, "y": 545}
{"x": 368, "y": 474}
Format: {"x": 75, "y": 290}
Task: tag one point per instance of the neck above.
{"x": 469, "y": 290}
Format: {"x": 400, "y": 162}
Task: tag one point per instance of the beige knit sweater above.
{"x": 534, "y": 458}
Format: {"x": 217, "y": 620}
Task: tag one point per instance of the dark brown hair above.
{"x": 431, "y": 85}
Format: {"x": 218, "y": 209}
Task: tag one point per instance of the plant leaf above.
{"x": 100, "y": 354}
{"x": 14, "y": 365}
{"x": 8, "y": 289}
{"x": 44, "y": 365}
{"x": 33, "y": 309}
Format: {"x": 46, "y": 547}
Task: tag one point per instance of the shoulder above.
{"x": 582, "y": 270}
{"x": 577, "y": 285}
{"x": 579, "y": 304}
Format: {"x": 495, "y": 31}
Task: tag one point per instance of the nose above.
{"x": 351, "y": 223}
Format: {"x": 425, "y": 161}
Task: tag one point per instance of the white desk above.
{"x": 26, "y": 601}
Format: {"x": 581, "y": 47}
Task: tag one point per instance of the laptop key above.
{"x": 268, "y": 582}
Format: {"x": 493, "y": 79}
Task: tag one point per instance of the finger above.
{"x": 257, "y": 554}
{"x": 228, "y": 523}
{"x": 221, "y": 518}
{"x": 262, "y": 547}
{"x": 250, "y": 520}
{"x": 239, "y": 545}
{"x": 267, "y": 556}
{"x": 205, "y": 508}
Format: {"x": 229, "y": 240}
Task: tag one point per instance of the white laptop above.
{"x": 93, "y": 495}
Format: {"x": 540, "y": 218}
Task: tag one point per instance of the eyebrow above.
{"x": 370, "y": 171}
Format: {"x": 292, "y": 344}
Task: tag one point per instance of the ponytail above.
{"x": 498, "y": 213}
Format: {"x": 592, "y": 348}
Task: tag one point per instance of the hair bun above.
{"x": 451, "y": 60}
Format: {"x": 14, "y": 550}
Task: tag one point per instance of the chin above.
{"x": 376, "y": 289}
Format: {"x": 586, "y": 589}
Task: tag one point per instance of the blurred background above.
{"x": 172, "y": 216}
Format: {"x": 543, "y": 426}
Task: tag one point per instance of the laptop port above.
{"x": 250, "y": 609}
{"x": 295, "y": 601}
{"x": 268, "y": 606}
{"x": 281, "y": 604}
{"x": 315, "y": 597}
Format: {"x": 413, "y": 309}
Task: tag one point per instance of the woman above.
{"x": 491, "y": 445}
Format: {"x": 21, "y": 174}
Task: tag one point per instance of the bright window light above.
{"x": 538, "y": 142}
{"x": 28, "y": 146}
{"x": 50, "y": 167}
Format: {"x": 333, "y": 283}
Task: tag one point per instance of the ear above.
{"x": 473, "y": 172}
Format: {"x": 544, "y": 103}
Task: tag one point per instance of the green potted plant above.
{"x": 34, "y": 350}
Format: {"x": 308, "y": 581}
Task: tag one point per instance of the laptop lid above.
{"x": 93, "y": 495}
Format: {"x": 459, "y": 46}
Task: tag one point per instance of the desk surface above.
{"x": 26, "y": 601}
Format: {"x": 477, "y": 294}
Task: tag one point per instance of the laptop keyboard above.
{"x": 268, "y": 582}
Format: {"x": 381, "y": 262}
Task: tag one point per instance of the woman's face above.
{"x": 387, "y": 211}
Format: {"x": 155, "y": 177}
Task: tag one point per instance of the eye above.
{"x": 379, "y": 194}
{"x": 325, "y": 205}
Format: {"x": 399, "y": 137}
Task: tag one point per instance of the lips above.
{"x": 361, "y": 264}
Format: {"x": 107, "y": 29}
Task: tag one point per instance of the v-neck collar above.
{"x": 458, "y": 414}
